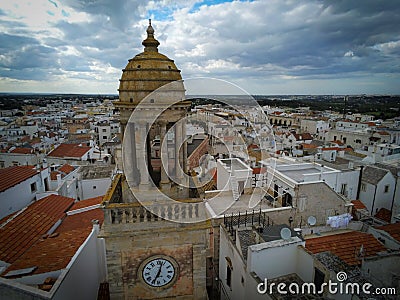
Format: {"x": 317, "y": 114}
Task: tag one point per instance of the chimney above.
{"x": 58, "y": 179}
{"x": 322, "y": 172}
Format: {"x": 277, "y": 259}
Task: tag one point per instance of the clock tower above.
{"x": 156, "y": 236}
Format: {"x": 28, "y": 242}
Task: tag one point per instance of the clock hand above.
{"x": 158, "y": 274}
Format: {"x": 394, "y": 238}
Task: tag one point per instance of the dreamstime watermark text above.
{"x": 331, "y": 287}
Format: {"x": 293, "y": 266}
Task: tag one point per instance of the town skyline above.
{"x": 267, "y": 48}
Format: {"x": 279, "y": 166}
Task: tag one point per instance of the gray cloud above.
{"x": 259, "y": 39}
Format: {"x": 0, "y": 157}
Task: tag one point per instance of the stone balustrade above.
{"x": 135, "y": 213}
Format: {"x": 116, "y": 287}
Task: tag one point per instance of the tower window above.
{"x": 138, "y": 66}
{"x": 169, "y": 67}
{"x": 151, "y": 100}
{"x": 131, "y": 100}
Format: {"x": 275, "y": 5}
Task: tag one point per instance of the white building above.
{"x": 314, "y": 126}
{"x": 248, "y": 257}
{"x": 19, "y": 186}
{"x": 233, "y": 175}
{"x": 377, "y": 188}
{"x": 43, "y": 267}
{"x": 94, "y": 181}
{"x": 19, "y": 158}
{"x": 288, "y": 176}
{"x": 277, "y": 262}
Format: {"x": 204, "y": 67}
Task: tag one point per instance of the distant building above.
{"x": 19, "y": 157}
{"x": 70, "y": 153}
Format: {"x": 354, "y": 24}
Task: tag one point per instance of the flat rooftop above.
{"x": 299, "y": 174}
{"x": 235, "y": 163}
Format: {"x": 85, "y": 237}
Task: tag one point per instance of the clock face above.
{"x": 158, "y": 272}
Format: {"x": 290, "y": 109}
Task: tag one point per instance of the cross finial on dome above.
{"x": 150, "y": 43}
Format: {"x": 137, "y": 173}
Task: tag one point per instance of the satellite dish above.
{"x": 311, "y": 220}
{"x": 286, "y": 233}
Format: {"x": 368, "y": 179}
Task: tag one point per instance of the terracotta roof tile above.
{"x": 66, "y": 168}
{"x": 303, "y": 136}
{"x": 392, "y": 229}
{"x": 346, "y": 245}
{"x": 383, "y": 133}
{"x": 308, "y": 146}
{"x": 22, "y": 150}
{"x": 338, "y": 142}
{"x": 384, "y": 214}
{"x": 18, "y": 235}
{"x": 87, "y": 203}
{"x": 54, "y": 253}
{"x": 358, "y": 204}
{"x": 330, "y": 149}
{"x": 11, "y": 176}
{"x": 69, "y": 150}
{"x": 53, "y": 175}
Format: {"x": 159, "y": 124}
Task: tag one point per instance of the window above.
{"x": 94, "y": 187}
{"x": 228, "y": 271}
{"x": 33, "y": 187}
{"x": 104, "y": 137}
{"x": 363, "y": 187}
{"x": 104, "y": 130}
{"x": 2, "y": 164}
{"x": 386, "y": 190}
{"x": 343, "y": 189}
{"x": 15, "y": 163}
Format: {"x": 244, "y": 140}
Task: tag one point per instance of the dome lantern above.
{"x": 150, "y": 43}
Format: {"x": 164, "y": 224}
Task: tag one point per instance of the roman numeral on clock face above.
{"x": 158, "y": 272}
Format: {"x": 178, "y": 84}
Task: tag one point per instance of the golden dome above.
{"x": 146, "y": 72}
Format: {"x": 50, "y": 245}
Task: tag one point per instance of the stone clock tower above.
{"x": 156, "y": 246}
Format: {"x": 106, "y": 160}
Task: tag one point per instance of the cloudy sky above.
{"x": 265, "y": 46}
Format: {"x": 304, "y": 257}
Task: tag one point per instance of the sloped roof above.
{"x": 20, "y": 150}
{"x": 66, "y": 168}
{"x": 392, "y": 229}
{"x": 358, "y": 204}
{"x": 340, "y": 143}
{"x": 69, "y": 150}
{"x": 330, "y": 149}
{"x": 303, "y": 136}
{"x": 14, "y": 175}
{"x": 383, "y": 133}
{"x": 393, "y": 169}
{"x": 87, "y": 202}
{"x": 346, "y": 245}
{"x": 25, "y": 229}
{"x": 56, "y": 251}
{"x": 373, "y": 175}
{"x": 53, "y": 175}
{"x": 384, "y": 214}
